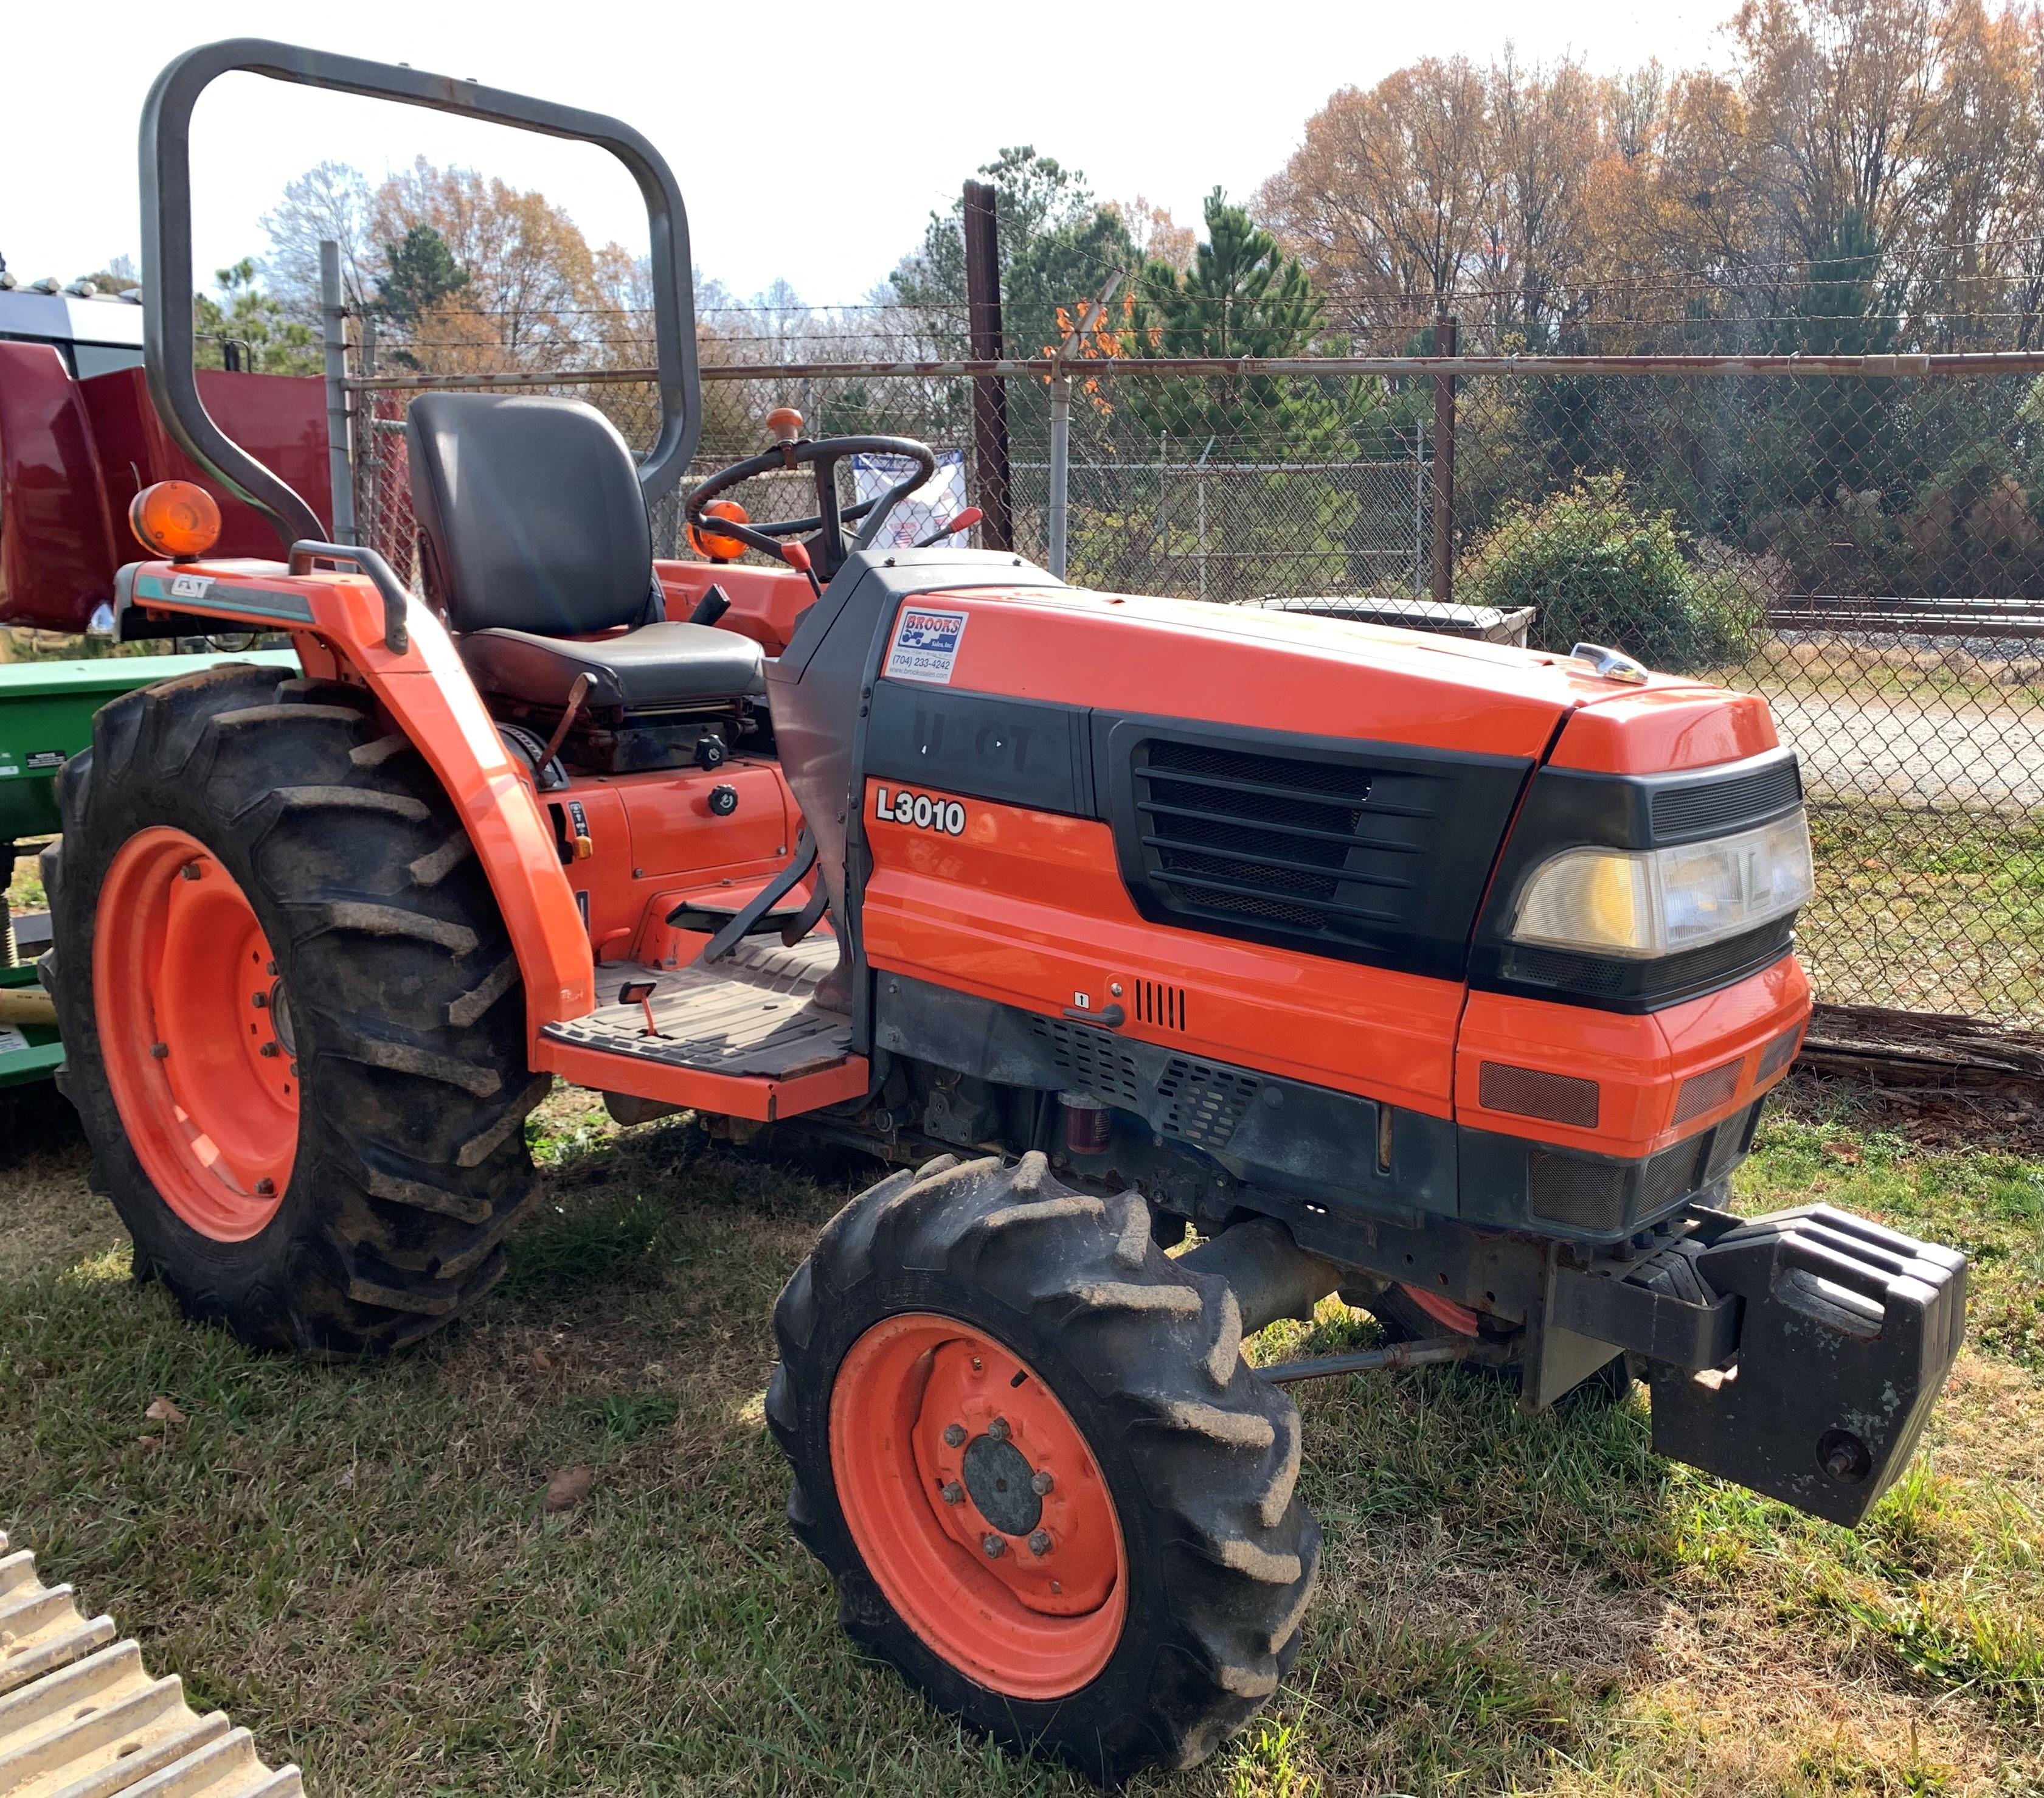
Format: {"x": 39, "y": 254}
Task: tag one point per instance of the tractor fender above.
{"x": 338, "y": 625}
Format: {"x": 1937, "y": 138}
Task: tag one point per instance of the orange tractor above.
{"x": 1447, "y": 977}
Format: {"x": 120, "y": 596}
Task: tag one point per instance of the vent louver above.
{"x": 1279, "y": 840}
{"x": 1157, "y": 1004}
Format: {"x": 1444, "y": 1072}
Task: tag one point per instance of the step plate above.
{"x": 751, "y": 1015}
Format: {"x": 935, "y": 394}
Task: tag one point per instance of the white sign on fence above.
{"x": 930, "y": 508}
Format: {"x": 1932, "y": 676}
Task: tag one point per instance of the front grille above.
{"x": 1710, "y": 806}
{"x": 1705, "y": 1092}
{"x": 1585, "y": 1195}
{"x": 1528, "y": 1092}
{"x": 1090, "y": 1061}
{"x": 1669, "y": 1178}
{"x": 1781, "y": 1052}
{"x": 1205, "y": 1103}
{"x": 1276, "y": 840}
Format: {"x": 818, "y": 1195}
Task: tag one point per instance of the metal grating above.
{"x": 1529, "y": 1092}
{"x": 1726, "y": 805}
{"x": 1780, "y": 1053}
{"x": 1705, "y": 1092}
{"x": 1585, "y": 1195}
{"x": 1091, "y": 1061}
{"x": 1278, "y": 840}
{"x": 1205, "y": 1103}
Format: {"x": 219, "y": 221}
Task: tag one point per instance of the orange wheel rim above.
{"x": 194, "y": 1034}
{"x": 1445, "y": 1311}
{"x": 944, "y": 1444}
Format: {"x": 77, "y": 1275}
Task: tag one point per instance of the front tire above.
{"x": 292, "y": 1022}
{"x": 964, "y": 1333}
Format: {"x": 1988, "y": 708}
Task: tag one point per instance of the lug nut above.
{"x": 259, "y": 1000}
{"x": 953, "y": 1493}
{"x": 190, "y": 871}
{"x": 161, "y": 1051}
{"x": 265, "y": 1188}
{"x": 954, "y": 1435}
{"x": 1040, "y": 1481}
{"x": 998, "y": 1429}
{"x": 269, "y": 1049}
{"x": 273, "y": 968}
{"x": 1039, "y": 1544}
{"x": 995, "y": 1545}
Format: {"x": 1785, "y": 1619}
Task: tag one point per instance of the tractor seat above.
{"x": 535, "y": 538}
{"x": 657, "y": 667}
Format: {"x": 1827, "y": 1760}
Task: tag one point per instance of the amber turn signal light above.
{"x": 784, "y": 424}
{"x": 175, "y": 519}
{"x": 707, "y": 543}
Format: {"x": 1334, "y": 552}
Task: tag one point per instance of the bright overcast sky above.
{"x": 810, "y": 141}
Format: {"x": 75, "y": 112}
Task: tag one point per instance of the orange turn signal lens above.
{"x": 709, "y": 543}
{"x": 784, "y": 424}
{"x": 176, "y": 520}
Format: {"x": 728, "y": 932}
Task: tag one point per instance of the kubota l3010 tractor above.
{"x": 1448, "y": 976}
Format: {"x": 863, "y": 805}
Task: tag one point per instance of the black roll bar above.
{"x": 166, "y": 251}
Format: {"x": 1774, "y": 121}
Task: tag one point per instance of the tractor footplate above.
{"x": 1847, "y": 1330}
{"x": 753, "y": 1014}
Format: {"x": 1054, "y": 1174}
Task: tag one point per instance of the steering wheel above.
{"x": 824, "y": 554}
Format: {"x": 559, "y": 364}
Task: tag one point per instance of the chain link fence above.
{"x": 1860, "y": 541}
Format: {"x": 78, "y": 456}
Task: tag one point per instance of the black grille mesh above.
{"x": 1276, "y": 840}
{"x": 1528, "y": 1092}
{"x": 1704, "y": 1092}
{"x": 1721, "y": 805}
{"x": 1586, "y": 1195}
{"x": 1781, "y": 1052}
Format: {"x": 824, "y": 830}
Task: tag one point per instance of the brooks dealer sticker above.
{"x": 926, "y": 645}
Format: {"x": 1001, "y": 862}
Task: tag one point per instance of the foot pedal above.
{"x": 1846, "y": 1332}
{"x": 79, "y": 1714}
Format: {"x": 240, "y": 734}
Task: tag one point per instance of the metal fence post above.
{"x": 989, "y": 393}
{"x": 1445, "y": 332}
{"x": 1061, "y": 467}
{"x": 340, "y": 472}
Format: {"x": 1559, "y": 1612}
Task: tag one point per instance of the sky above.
{"x": 811, "y": 142}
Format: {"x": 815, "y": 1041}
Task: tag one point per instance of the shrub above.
{"x": 1596, "y": 568}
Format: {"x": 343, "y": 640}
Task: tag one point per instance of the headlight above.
{"x": 1661, "y": 901}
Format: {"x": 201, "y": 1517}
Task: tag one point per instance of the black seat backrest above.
{"x": 531, "y": 514}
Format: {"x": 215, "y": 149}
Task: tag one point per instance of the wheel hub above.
{"x": 195, "y": 1034}
{"x": 997, "y": 1475}
{"x": 978, "y": 1506}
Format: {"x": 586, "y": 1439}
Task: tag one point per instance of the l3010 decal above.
{"x": 946, "y": 816}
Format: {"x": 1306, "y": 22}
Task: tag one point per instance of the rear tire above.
{"x": 1188, "y": 1458}
{"x": 402, "y": 1017}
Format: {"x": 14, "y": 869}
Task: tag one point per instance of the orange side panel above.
{"x": 654, "y": 837}
{"x": 765, "y": 603}
{"x": 1638, "y": 1061}
{"x": 1028, "y": 908}
{"x": 428, "y": 693}
{"x": 725, "y": 1094}
{"x": 1657, "y": 730}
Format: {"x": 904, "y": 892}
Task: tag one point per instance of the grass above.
{"x": 1926, "y": 909}
{"x": 358, "y": 1562}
